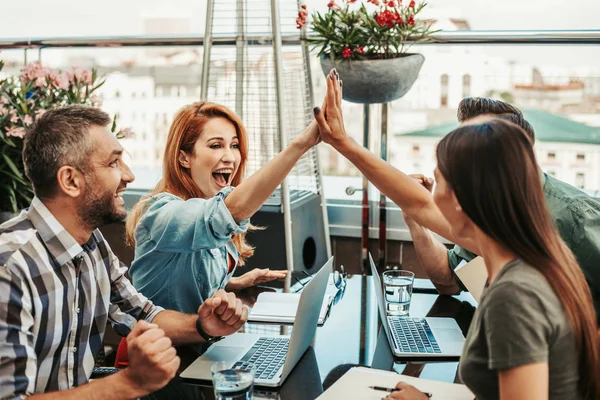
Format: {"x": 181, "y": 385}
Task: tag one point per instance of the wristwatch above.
{"x": 207, "y": 338}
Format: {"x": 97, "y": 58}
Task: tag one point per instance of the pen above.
{"x": 390, "y": 390}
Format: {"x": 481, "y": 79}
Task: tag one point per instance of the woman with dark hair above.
{"x": 534, "y": 333}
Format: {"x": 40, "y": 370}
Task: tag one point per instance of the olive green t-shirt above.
{"x": 520, "y": 321}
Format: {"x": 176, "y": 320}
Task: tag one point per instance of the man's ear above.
{"x": 70, "y": 181}
{"x": 184, "y": 159}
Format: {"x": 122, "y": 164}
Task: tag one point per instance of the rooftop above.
{"x": 548, "y": 127}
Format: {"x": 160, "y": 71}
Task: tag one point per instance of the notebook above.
{"x": 357, "y": 382}
{"x": 281, "y": 308}
{"x": 473, "y": 275}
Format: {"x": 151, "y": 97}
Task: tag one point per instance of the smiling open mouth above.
{"x": 222, "y": 178}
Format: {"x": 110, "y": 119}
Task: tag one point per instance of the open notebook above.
{"x": 357, "y": 383}
{"x": 282, "y": 308}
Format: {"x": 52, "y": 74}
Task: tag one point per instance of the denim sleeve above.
{"x": 455, "y": 256}
{"x": 179, "y": 226}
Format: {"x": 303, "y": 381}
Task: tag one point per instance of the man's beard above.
{"x": 97, "y": 207}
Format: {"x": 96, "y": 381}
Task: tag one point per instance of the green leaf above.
{"x": 11, "y": 164}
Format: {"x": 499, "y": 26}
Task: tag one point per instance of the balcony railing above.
{"x": 448, "y": 37}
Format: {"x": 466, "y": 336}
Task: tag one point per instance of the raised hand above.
{"x": 329, "y": 117}
{"x": 153, "y": 361}
{"x": 222, "y": 314}
{"x": 310, "y": 137}
{"x": 255, "y": 277}
{"x": 424, "y": 181}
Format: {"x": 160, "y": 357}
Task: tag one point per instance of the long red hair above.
{"x": 183, "y": 134}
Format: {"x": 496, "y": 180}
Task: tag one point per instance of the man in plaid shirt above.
{"x": 60, "y": 282}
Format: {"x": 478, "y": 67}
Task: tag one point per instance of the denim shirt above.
{"x": 181, "y": 249}
{"x": 577, "y": 218}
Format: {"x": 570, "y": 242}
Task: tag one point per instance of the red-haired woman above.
{"x": 189, "y": 232}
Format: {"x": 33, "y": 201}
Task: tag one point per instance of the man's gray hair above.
{"x": 60, "y": 137}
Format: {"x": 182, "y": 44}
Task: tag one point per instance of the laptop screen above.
{"x": 380, "y": 299}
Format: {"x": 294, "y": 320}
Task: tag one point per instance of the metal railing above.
{"x": 445, "y": 37}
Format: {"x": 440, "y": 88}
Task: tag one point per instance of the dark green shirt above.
{"x": 577, "y": 217}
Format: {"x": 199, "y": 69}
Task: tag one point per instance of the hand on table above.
{"x": 255, "y": 277}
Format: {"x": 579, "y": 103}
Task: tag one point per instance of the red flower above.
{"x": 411, "y": 19}
{"x": 376, "y": 2}
{"x": 411, "y": 4}
{"x": 347, "y": 53}
{"x": 391, "y": 3}
{"x": 351, "y": 1}
{"x": 331, "y": 4}
{"x": 302, "y": 16}
{"x": 303, "y": 6}
{"x": 361, "y": 50}
{"x": 388, "y": 18}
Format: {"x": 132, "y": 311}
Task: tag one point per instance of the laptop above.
{"x": 273, "y": 357}
{"x": 428, "y": 337}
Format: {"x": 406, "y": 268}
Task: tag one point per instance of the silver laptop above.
{"x": 418, "y": 337}
{"x": 273, "y": 357}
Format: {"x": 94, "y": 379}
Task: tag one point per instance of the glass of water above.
{"x": 398, "y": 287}
{"x": 232, "y": 384}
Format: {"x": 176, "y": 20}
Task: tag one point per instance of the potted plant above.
{"x": 25, "y": 98}
{"x": 367, "y": 42}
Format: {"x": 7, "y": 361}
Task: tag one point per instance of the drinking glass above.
{"x": 232, "y": 384}
{"x": 398, "y": 287}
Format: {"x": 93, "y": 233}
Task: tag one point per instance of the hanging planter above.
{"x": 368, "y": 43}
{"x": 376, "y": 81}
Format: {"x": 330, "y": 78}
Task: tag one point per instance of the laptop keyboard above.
{"x": 413, "y": 335}
{"x": 267, "y": 355}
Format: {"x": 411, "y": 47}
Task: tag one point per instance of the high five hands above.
{"x": 329, "y": 117}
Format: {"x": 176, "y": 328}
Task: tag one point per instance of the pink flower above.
{"x": 3, "y": 111}
{"x": 13, "y": 117}
{"x": 96, "y": 101}
{"x": 27, "y": 120}
{"x": 79, "y": 75}
{"x": 16, "y": 132}
{"x": 39, "y": 112}
{"x": 62, "y": 81}
{"x": 40, "y": 81}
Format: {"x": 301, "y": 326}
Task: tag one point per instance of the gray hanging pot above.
{"x": 376, "y": 81}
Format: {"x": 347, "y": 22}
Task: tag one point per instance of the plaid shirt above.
{"x": 55, "y": 299}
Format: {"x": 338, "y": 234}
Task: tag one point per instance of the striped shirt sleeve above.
{"x": 18, "y": 361}
{"x": 127, "y": 305}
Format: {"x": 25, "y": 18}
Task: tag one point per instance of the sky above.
{"x": 124, "y": 17}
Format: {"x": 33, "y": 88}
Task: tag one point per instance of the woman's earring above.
{"x": 458, "y": 209}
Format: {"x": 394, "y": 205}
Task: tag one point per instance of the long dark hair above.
{"x": 491, "y": 168}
